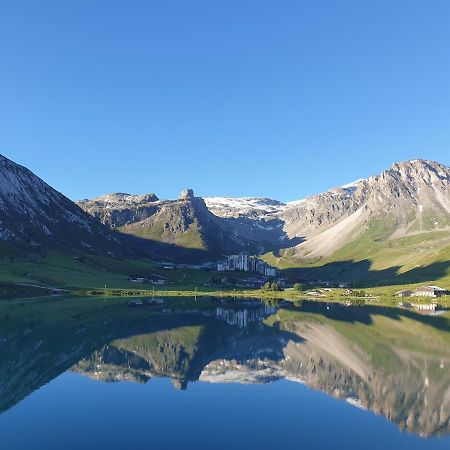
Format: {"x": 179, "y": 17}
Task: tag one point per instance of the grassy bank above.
{"x": 91, "y": 275}
{"x": 377, "y": 297}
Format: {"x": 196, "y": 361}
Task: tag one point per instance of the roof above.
{"x": 429, "y": 288}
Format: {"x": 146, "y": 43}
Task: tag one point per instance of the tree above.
{"x": 297, "y": 287}
{"x": 274, "y": 286}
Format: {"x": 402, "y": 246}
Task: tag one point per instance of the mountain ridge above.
{"x": 414, "y": 194}
{"x": 35, "y": 216}
{"x": 393, "y": 222}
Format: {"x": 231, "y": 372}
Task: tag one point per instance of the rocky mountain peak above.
{"x": 422, "y": 171}
{"x": 123, "y": 199}
{"x": 187, "y": 194}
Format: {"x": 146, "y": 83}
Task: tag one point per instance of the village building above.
{"x": 429, "y": 291}
{"x": 405, "y": 293}
{"x": 246, "y": 263}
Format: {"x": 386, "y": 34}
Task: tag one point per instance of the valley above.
{"x": 391, "y": 229}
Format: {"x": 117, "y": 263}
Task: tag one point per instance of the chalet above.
{"x": 404, "y": 293}
{"x": 429, "y": 291}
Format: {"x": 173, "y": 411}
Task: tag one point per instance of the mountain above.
{"x": 390, "y": 227}
{"x": 34, "y": 217}
{"x": 193, "y": 223}
{"x": 120, "y": 209}
{"x": 410, "y": 198}
{"x": 185, "y": 222}
{"x": 381, "y": 226}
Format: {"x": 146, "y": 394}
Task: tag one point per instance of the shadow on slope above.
{"x": 360, "y": 273}
{"x": 263, "y": 236}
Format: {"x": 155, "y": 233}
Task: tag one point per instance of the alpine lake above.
{"x": 208, "y": 373}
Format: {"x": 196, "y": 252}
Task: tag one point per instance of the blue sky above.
{"x": 238, "y": 98}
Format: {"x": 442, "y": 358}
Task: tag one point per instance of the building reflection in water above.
{"x": 242, "y": 318}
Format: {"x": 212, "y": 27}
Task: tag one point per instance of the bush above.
{"x": 274, "y": 286}
{"x": 360, "y": 293}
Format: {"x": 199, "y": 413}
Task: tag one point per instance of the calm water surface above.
{"x": 184, "y": 373}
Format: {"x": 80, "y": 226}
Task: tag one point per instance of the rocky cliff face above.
{"x": 410, "y": 198}
{"x": 118, "y": 209}
{"x": 190, "y": 223}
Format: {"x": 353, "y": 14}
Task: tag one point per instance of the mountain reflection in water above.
{"x": 391, "y": 362}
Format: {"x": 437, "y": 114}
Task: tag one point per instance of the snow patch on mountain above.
{"x": 244, "y": 206}
{"x": 350, "y": 188}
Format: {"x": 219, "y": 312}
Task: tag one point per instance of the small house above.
{"x": 429, "y": 291}
{"x": 404, "y": 293}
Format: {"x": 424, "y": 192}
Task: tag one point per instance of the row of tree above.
{"x": 272, "y": 286}
{"x": 275, "y": 286}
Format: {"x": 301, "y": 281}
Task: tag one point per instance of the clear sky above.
{"x": 237, "y": 97}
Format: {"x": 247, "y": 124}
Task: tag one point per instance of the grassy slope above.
{"x": 59, "y": 270}
{"x": 191, "y": 238}
{"x": 63, "y": 271}
{"x": 373, "y": 258}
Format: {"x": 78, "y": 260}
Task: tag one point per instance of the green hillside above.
{"x": 191, "y": 238}
{"x": 92, "y": 271}
{"x": 374, "y": 258}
